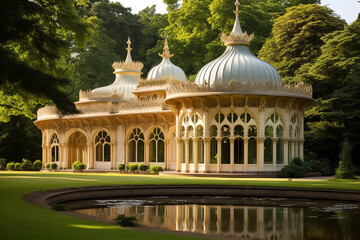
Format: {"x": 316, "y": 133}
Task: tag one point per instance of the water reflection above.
{"x": 237, "y": 221}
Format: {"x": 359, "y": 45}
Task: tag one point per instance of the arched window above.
{"x": 102, "y": 147}
{"x": 280, "y": 145}
{"x": 191, "y": 147}
{"x": 245, "y": 117}
{"x": 54, "y": 148}
{"x": 156, "y": 146}
{"x": 213, "y": 145}
{"x": 268, "y": 145}
{"x": 183, "y": 151}
{"x": 200, "y": 144}
{"x": 225, "y": 150}
{"x": 154, "y": 97}
{"x": 219, "y": 117}
{"x": 136, "y": 146}
{"x": 232, "y": 117}
{"x": 252, "y": 145}
{"x": 225, "y": 131}
{"x": 239, "y": 151}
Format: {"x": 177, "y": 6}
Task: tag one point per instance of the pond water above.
{"x": 250, "y": 218}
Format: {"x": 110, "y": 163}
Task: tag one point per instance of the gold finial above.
{"x": 128, "y": 56}
{"x": 129, "y": 43}
{"x": 237, "y": 4}
{"x": 166, "y": 52}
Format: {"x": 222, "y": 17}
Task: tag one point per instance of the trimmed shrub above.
{"x": 297, "y": 161}
{"x": 81, "y": 166}
{"x": 124, "y": 221}
{"x": 156, "y": 169}
{"x": 37, "y": 165}
{"x": 10, "y": 166}
{"x": 59, "y": 207}
{"x": 2, "y": 163}
{"x": 121, "y": 167}
{"x": 346, "y": 169}
{"x": 54, "y": 166}
{"x": 295, "y": 169}
{"x": 144, "y": 167}
{"x": 17, "y": 166}
{"x": 26, "y": 165}
{"x": 48, "y": 166}
{"x": 321, "y": 165}
{"x": 133, "y": 167}
{"x": 77, "y": 165}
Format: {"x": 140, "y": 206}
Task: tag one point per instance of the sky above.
{"x": 347, "y": 9}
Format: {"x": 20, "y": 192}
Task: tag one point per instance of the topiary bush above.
{"x": 156, "y": 169}
{"x": 3, "y": 162}
{"x": 10, "y": 166}
{"x": 133, "y": 167}
{"x": 26, "y": 165}
{"x": 124, "y": 221}
{"x": 144, "y": 167}
{"x": 78, "y": 166}
{"x": 295, "y": 169}
{"x": 121, "y": 167}
{"x": 346, "y": 169}
{"x": 37, "y": 165}
{"x": 82, "y": 166}
{"x": 17, "y": 166}
{"x": 48, "y": 166}
{"x": 54, "y": 166}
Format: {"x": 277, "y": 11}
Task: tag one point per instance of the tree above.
{"x": 297, "y": 38}
{"x": 32, "y": 39}
{"x": 345, "y": 169}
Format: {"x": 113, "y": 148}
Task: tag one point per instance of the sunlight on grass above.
{"x": 93, "y": 227}
{"x": 57, "y": 178}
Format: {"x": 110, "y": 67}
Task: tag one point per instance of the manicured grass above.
{"x": 21, "y": 220}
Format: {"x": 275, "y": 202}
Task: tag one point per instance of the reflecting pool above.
{"x": 250, "y": 218}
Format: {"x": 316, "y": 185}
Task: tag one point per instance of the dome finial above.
{"x": 166, "y": 52}
{"x": 128, "y": 57}
{"x": 237, "y": 36}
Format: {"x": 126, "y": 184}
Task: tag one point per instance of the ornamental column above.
{"x": 147, "y": 152}
{"x": 88, "y": 153}
{"x": 114, "y": 146}
{"x": 232, "y": 139}
{"x": 66, "y": 156}
{"x": 186, "y": 155}
{"x": 260, "y": 155}
{"x": 301, "y": 148}
{"x": 126, "y": 153}
{"x": 293, "y": 149}
{"x": 218, "y": 159}
{"x": 286, "y": 151}
{"x": 178, "y": 154}
{"x": 195, "y": 155}
{"x": 206, "y": 154}
{"x": 246, "y": 153}
{"x": 274, "y": 140}
{"x": 167, "y": 153}
{"x": 43, "y": 146}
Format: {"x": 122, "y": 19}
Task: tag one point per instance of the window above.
{"x": 156, "y": 146}
{"x": 102, "y": 147}
{"x": 268, "y": 151}
{"x": 191, "y": 147}
{"x": 200, "y": 150}
{"x": 213, "y": 151}
{"x": 239, "y": 151}
{"x": 183, "y": 151}
{"x": 225, "y": 151}
{"x": 239, "y": 131}
{"x": 280, "y": 145}
{"x": 213, "y": 131}
{"x": 232, "y": 117}
{"x": 219, "y": 117}
{"x": 55, "y": 148}
{"x": 252, "y": 145}
{"x": 225, "y": 131}
{"x": 136, "y": 146}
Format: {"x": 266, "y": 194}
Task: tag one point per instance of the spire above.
{"x": 237, "y": 36}
{"x": 166, "y": 52}
{"x": 128, "y": 57}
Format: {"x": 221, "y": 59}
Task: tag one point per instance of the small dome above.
{"x": 237, "y": 62}
{"x": 166, "y": 69}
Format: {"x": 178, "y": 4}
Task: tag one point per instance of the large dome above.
{"x": 166, "y": 69}
{"x": 237, "y": 62}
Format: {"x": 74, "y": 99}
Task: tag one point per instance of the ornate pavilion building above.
{"x": 238, "y": 116}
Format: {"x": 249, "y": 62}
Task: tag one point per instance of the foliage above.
{"x": 346, "y": 168}
{"x": 82, "y": 166}
{"x": 121, "y": 167}
{"x": 315, "y": 164}
{"x": 3, "y": 162}
{"x": 295, "y": 169}
{"x": 48, "y": 166}
{"x": 37, "y": 165}
{"x": 26, "y": 165}
{"x": 125, "y": 221}
{"x": 132, "y": 167}
{"x": 143, "y": 167}
{"x": 59, "y": 207}
{"x": 10, "y": 166}
{"x": 54, "y": 166}
{"x": 77, "y": 165}
{"x": 17, "y": 166}
{"x": 297, "y": 38}
{"x": 156, "y": 169}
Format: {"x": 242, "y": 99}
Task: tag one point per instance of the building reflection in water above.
{"x": 246, "y": 222}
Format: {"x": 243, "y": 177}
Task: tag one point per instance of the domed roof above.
{"x": 237, "y": 62}
{"x": 127, "y": 76}
{"x": 166, "y": 69}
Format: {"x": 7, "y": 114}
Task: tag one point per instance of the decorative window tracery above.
{"x": 274, "y": 131}
{"x": 136, "y": 146}
{"x": 156, "y": 146}
{"x": 102, "y": 147}
{"x": 55, "y": 148}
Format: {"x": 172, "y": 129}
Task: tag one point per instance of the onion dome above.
{"x": 166, "y": 69}
{"x": 237, "y": 62}
{"x": 127, "y": 75}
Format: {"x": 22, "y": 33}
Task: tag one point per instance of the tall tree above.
{"x": 297, "y": 38}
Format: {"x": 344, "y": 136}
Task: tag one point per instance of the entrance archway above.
{"x": 76, "y": 148}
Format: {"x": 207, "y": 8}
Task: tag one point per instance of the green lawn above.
{"x": 20, "y": 220}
